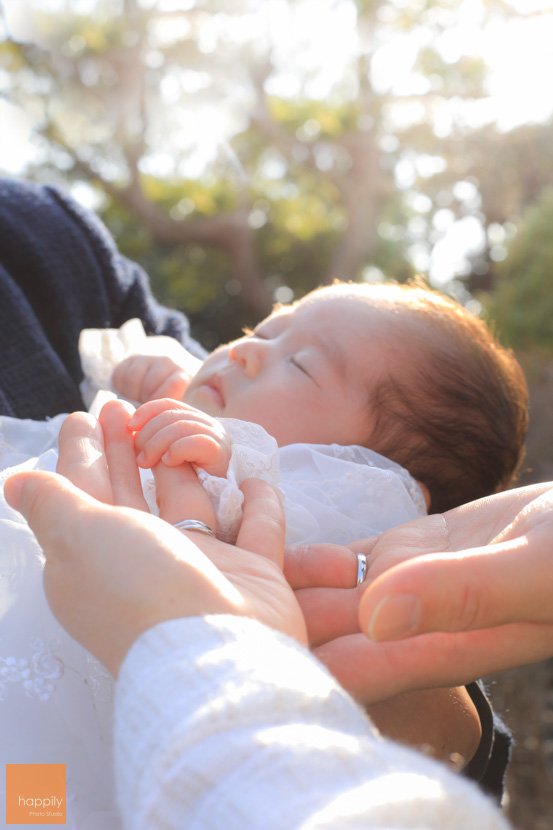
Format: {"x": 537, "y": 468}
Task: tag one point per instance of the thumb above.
{"x": 263, "y": 526}
{"x": 50, "y": 504}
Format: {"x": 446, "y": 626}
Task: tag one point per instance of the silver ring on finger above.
{"x": 361, "y": 568}
{"x": 194, "y": 524}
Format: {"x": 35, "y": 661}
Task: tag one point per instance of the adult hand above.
{"x": 373, "y": 671}
{"x": 114, "y": 571}
{"x": 491, "y": 606}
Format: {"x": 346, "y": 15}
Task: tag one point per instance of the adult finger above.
{"x": 471, "y": 525}
{"x": 415, "y": 538}
{"x": 82, "y": 457}
{"x": 181, "y": 496}
{"x": 476, "y": 589}
{"x": 111, "y": 572}
{"x": 480, "y": 522}
{"x": 377, "y": 671}
{"x": 263, "y": 525}
{"x": 321, "y": 565}
{"x": 329, "y": 612}
{"x": 535, "y": 513}
{"x": 120, "y": 455}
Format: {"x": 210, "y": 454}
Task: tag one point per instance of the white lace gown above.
{"x": 55, "y": 698}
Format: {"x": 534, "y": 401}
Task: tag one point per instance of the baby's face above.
{"x": 304, "y": 373}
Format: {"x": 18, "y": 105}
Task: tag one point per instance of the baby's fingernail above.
{"x": 166, "y": 457}
{"x": 394, "y": 617}
{"x": 140, "y": 458}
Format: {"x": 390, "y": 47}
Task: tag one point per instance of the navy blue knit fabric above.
{"x": 60, "y": 272}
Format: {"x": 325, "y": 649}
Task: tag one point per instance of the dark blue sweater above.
{"x": 60, "y": 272}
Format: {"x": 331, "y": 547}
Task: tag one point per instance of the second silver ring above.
{"x": 361, "y": 568}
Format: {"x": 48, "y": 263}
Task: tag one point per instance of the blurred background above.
{"x": 244, "y": 152}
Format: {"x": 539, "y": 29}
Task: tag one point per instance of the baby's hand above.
{"x": 144, "y": 378}
{"x": 173, "y": 432}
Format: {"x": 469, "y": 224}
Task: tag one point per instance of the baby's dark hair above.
{"x": 457, "y": 419}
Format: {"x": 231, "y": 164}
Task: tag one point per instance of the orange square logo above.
{"x": 35, "y": 794}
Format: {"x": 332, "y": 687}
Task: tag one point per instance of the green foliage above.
{"x": 11, "y": 57}
{"x": 522, "y": 302}
{"x": 193, "y": 278}
{"x": 307, "y": 179}
{"x": 323, "y": 121}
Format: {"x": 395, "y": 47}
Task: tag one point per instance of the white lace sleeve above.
{"x": 254, "y": 455}
{"x": 101, "y": 350}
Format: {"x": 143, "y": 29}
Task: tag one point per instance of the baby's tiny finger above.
{"x": 173, "y": 386}
{"x": 154, "y": 443}
{"x": 128, "y": 376}
{"x": 158, "y": 370}
{"x": 199, "y": 449}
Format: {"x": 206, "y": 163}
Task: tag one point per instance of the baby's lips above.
{"x": 214, "y": 388}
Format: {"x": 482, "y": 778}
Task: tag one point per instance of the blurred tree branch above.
{"x": 315, "y": 191}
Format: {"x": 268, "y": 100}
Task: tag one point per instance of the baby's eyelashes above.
{"x": 299, "y": 366}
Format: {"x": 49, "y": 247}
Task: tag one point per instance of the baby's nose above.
{"x": 249, "y": 355}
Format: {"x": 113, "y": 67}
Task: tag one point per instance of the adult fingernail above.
{"x": 394, "y": 617}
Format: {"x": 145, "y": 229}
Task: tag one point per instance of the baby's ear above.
{"x": 426, "y": 494}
